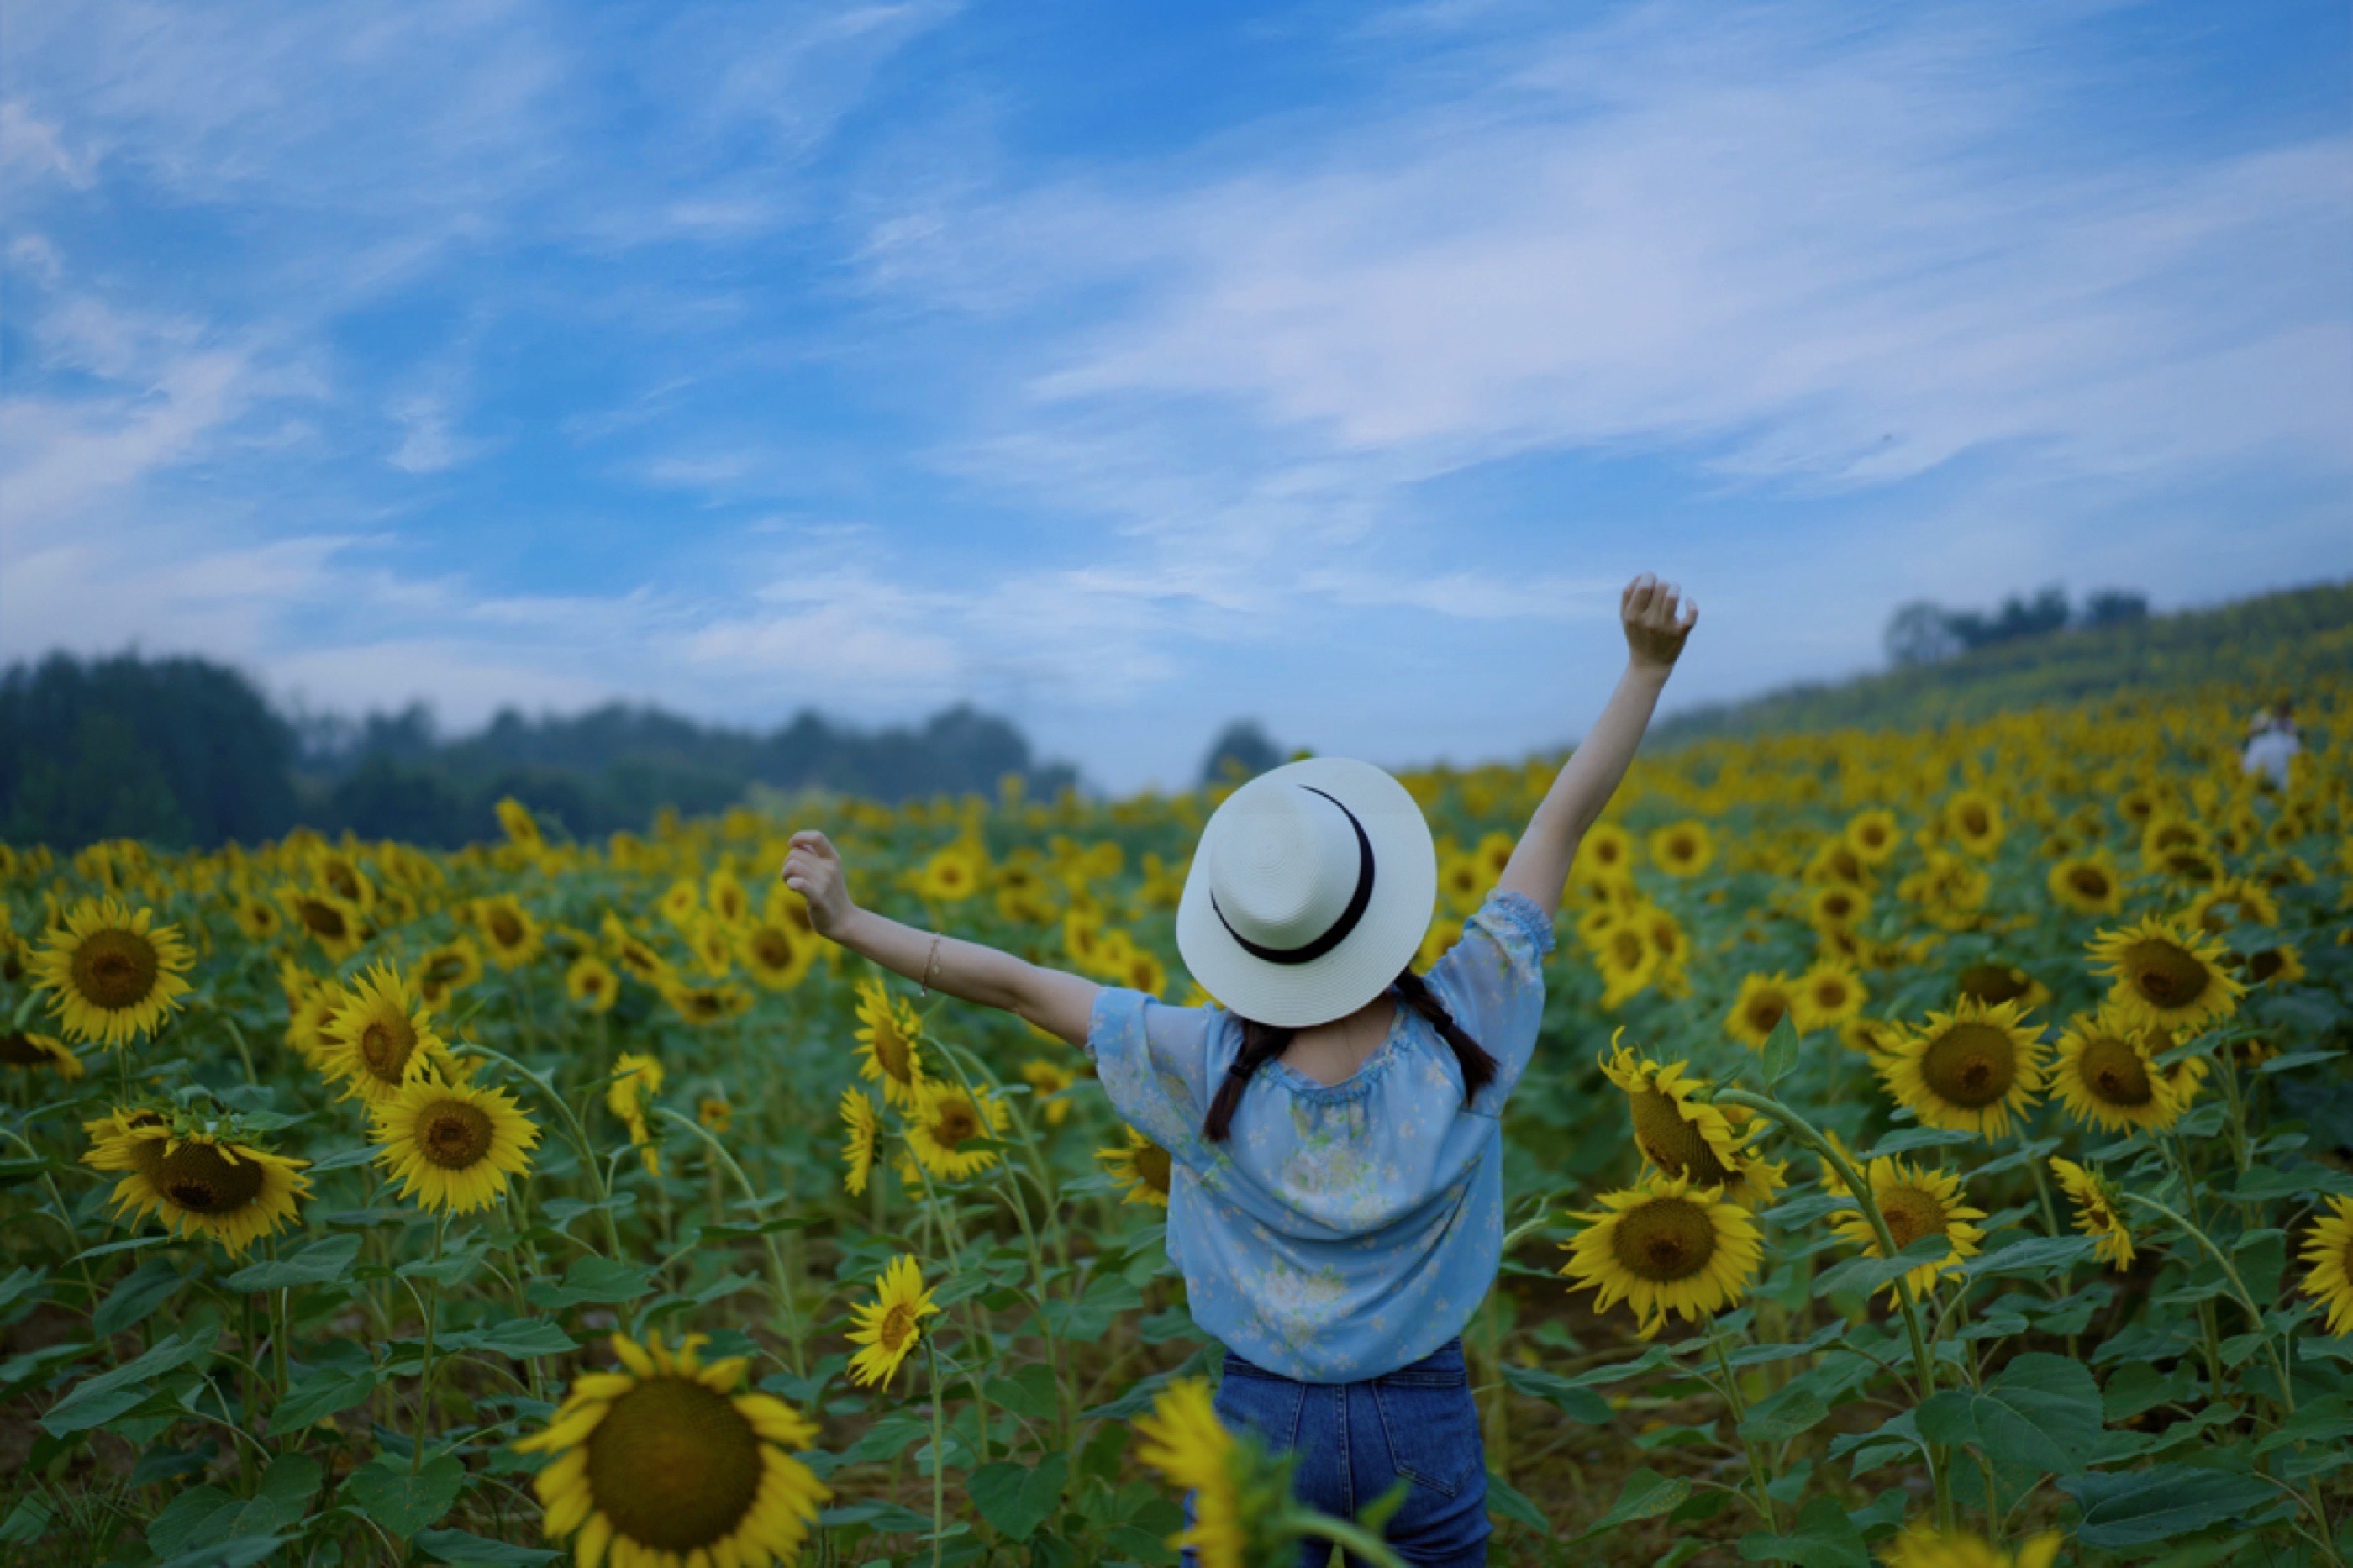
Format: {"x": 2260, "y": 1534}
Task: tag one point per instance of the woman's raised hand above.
{"x": 1655, "y": 629}
{"x": 813, "y": 869}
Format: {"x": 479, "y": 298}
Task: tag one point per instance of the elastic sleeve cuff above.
{"x": 1509, "y": 913}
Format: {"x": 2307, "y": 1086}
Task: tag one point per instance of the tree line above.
{"x": 1922, "y": 632}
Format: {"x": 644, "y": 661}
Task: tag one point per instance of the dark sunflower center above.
{"x": 704, "y": 1004}
{"x": 1911, "y": 1212}
{"x": 1829, "y": 994}
{"x": 17, "y": 1051}
{"x": 197, "y": 1177}
{"x": 674, "y": 1465}
{"x": 505, "y": 930}
{"x": 1970, "y": 1064}
{"x": 2263, "y": 965}
{"x": 772, "y": 948}
{"x": 443, "y": 968}
{"x": 1627, "y": 947}
{"x": 344, "y": 879}
{"x": 2090, "y": 881}
{"x": 1765, "y": 1012}
{"x": 891, "y": 1051}
{"x": 1671, "y": 1143}
{"x": 1838, "y": 906}
{"x": 115, "y": 968}
{"x": 453, "y": 1134}
{"x": 1664, "y": 1240}
{"x": 323, "y": 918}
{"x": 1993, "y": 983}
{"x": 1151, "y": 1169}
{"x": 898, "y": 1327}
{"x": 2166, "y": 975}
{"x": 2115, "y": 1072}
{"x": 955, "y": 1125}
{"x": 1874, "y": 834}
{"x": 384, "y": 1046}
{"x": 1974, "y": 822}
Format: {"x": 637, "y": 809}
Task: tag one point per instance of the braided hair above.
{"x": 1261, "y": 1043}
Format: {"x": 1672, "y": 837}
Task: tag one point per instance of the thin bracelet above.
{"x": 929, "y": 961}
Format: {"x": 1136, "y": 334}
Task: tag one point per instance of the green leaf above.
{"x": 1508, "y": 1501}
{"x": 461, "y": 1549}
{"x": 1947, "y": 1417}
{"x": 20, "y": 1285}
{"x": 1017, "y": 1499}
{"x": 322, "y": 1392}
{"x": 1869, "y": 1273}
{"x": 1781, "y": 1053}
{"x": 517, "y": 1337}
{"x": 1577, "y": 1403}
{"x": 2135, "y": 1508}
{"x": 207, "y": 1517}
{"x": 1783, "y": 1415}
{"x": 2318, "y": 1421}
{"x": 402, "y": 1503}
{"x": 1824, "y": 1538}
{"x": 1646, "y": 1495}
{"x": 2042, "y": 1411}
{"x": 98, "y": 1400}
{"x": 316, "y": 1264}
{"x": 26, "y": 1522}
{"x": 244, "y": 1552}
{"x": 342, "y": 1159}
{"x": 140, "y": 1292}
{"x": 1910, "y": 1138}
{"x": 592, "y": 1279}
{"x": 2041, "y": 1255}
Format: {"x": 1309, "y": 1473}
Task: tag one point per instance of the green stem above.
{"x": 579, "y": 1137}
{"x": 782, "y": 1282}
{"x": 1740, "y": 1413}
{"x": 939, "y": 1453}
{"x": 425, "y": 1368}
{"x": 1343, "y": 1534}
{"x": 2246, "y": 1298}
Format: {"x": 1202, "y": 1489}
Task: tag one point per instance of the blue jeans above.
{"x": 1357, "y": 1439}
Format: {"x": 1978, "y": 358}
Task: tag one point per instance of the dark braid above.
{"x": 1261, "y": 1043}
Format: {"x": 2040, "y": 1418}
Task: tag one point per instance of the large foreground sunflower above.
{"x": 2106, "y": 1074}
{"x": 664, "y": 1465}
{"x": 943, "y": 1119}
{"x": 453, "y": 1145}
{"x": 1915, "y": 1201}
{"x": 1184, "y": 1440}
{"x": 1682, "y": 1135}
{"x": 1140, "y": 1166}
{"x": 1969, "y": 1070}
{"x": 196, "y": 1184}
{"x": 115, "y": 975}
{"x": 2099, "y": 1211}
{"x": 862, "y": 1138}
{"x": 378, "y": 1036}
{"x": 889, "y": 1326}
{"x": 1665, "y": 1245}
{"x": 2166, "y": 974}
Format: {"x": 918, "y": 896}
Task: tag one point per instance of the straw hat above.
{"x": 1313, "y": 886}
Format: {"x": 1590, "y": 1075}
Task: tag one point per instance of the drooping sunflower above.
{"x": 1140, "y": 1166}
{"x": 1915, "y": 1201}
{"x": 1684, "y": 1136}
{"x": 1683, "y": 849}
{"x": 2108, "y": 1076}
{"x": 2168, "y": 977}
{"x": 2235, "y": 900}
{"x": 379, "y": 1034}
{"x": 663, "y": 1464}
{"x": 1827, "y": 995}
{"x": 1763, "y": 1001}
{"x": 114, "y": 975}
{"x": 1184, "y": 1441}
{"x": 590, "y": 982}
{"x": 637, "y": 1078}
{"x": 1050, "y": 1078}
{"x": 522, "y": 829}
{"x": 943, "y": 1119}
{"x": 889, "y": 1037}
{"x": 2328, "y": 1248}
{"x": 1924, "y": 1546}
{"x": 510, "y": 934}
{"x": 452, "y": 1145}
{"x": 21, "y": 1051}
{"x": 889, "y": 1326}
{"x": 862, "y": 1140}
{"x": 196, "y": 1184}
{"x": 2087, "y": 884}
{"x": 335, "y": 923}
{"x": 1664, "y": 1245}
{"x": 1969, "y": 1070}
{"x": 2099, "y": 1211}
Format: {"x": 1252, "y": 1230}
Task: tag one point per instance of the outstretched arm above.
{"x": 1654, "y": 637}
{"x": 1058, "y": 1003}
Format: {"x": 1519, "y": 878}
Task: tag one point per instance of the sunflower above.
{"x": 1627, "y": 961}
{"x": 448, "y": 969}
{"x": 1140, "y": 1167}
{"x": 1827, "y": 995}
{"x": 1873, "y": 835}
{"x": 1969, "y": 1070}
{"x": 775, "y": 954}
{"x": 2087, "y": 884}
{"x": 891, "y": 1037}
{"x": 2167, "y": 977}
{"x": 378, "y": 1036}
{"x": 663, "y": 1464}
{"x": 1923, "y": 1546}
{"x": 2281, "y": 965}
{"x": 2099, "y": 1211}
{"x": 2237, "y": 900}
{"x": 590, "y": 982}
{"x": 2328, "y": 1248}
{"x": 522, "y": 829}
{"x": 1683, "y": 849}
{"x": 453, "y": 1145}
{"x": 340, "y": 874}
{"x": 714, "y": 1114}
{"x": 24, "y": 1052}
{"x": 681, "y": 902}
{"x": 509, "y": 932}
{"x": 1606, "y": 851}
{"x": 1184, "y": 1440}
{"x": 1462, "y": 880}
{"x": 636, "y": 1079}
{"x": 724, "y": 895}
{"x": 945, "y": 1117}
{"x": 1870, "y": 1037}
{"x": 1764, "y": 1000}
{"x": 1973, "y": 820}
{"x": 951, "y": 875}
{"x": 117, "y": 975}
{"x": 334, "y": 923}
{"x": 2106, "y": 1074}
{"x": 1915, "y": 1201}
{"x": 891, "y": 1325}
{"x": 196, "y": 1184}
{"x": 1991, "y": 983}
{"x": 632, "y": 951}
{"x": 1687, "y": 1137}
{"x": 1050, "y": 1078}
{"x": 1664, "y": 1245}
{"x": 257, "y": 917}
{"x": 863, "y": 1141}
{"x": 1838, "y": 907}
{"x": 312, "y": 1001}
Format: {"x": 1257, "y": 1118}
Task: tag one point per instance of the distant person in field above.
{"x": 2272, "y": 743}
{"x": 1336, "y": 1197}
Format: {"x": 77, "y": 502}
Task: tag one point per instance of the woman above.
{"x": 1335, "y": 1202}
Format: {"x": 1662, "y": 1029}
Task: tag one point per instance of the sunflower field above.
{"x": 1939, "y": 1151}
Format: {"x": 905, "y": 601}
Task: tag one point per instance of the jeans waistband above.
{"x": 1443, "y": 1367}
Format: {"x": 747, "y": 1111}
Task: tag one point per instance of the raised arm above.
{"x": 1057, "y": 1002}
{"x": 1655, "y": 631}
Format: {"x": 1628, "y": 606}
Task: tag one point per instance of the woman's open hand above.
{"x": 1655, "y": 629}
{"x": 813, "y": 869}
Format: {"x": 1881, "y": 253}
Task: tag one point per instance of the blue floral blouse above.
{"x": 1343, "y": 1230}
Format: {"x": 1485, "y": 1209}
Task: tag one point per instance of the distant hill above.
{"x": 2268, "y": 644}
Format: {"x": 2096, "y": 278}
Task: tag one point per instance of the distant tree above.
{"x": 385, "y": 799}
{"x": 1242, "y": 751}
{"x": 1919, "y": 633}
{"x": 2115, "y": 608}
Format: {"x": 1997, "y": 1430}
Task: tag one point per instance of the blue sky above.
{"x": 1126, "y": 369}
